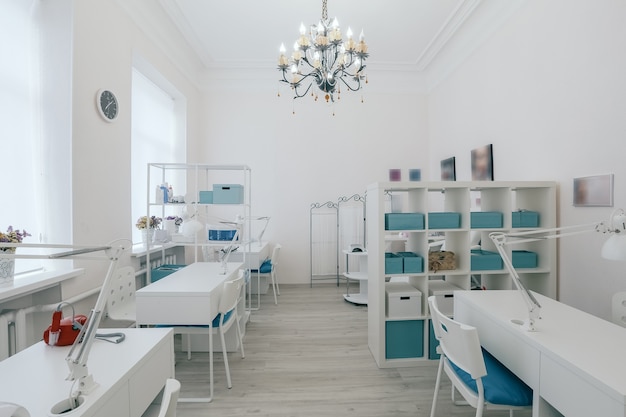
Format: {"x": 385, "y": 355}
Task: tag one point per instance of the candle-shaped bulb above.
{"x": 282, "y": 48}
{"x": 302, "y": 29}
{"x": 335, "y": 23}
{"x": 349, "y": 33}
{"x": 362, "y": 35}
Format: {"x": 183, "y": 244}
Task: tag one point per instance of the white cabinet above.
{"x": 204, "y": 211}
{"x": 408, "y": 340}
{"x": 356, "y": 270}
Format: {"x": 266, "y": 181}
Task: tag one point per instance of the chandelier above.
{"x": 323, "y": 58}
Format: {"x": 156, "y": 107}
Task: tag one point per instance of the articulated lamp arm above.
{"x": 615, "y": 226}
{"x": 79, "y": 353}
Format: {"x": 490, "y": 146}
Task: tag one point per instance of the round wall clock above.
{"x": 107, "y": 105}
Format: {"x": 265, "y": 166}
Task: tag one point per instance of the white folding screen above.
{"x": 334, "y": 227}
{"x": 323, "y": 241}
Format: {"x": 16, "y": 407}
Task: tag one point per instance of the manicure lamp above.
{"x": 614, "y": 249}
{"x": 79, "y": 353}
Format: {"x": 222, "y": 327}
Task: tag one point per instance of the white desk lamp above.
{"x": 227, "y": 251}
{"x": 614, "y": 248}
{"x": 267, "y": 221}
{"x": 79, "y": 353}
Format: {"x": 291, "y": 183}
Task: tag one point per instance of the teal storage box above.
{"x": 485, "y": 219}
{"x": 412, "y": 263}
{"x": 163, "y": 271}
{"x": 432, "y": 343}
{"x": 481, "y": 260}
{"x": 393, "y": 264}
{"x": 227, "y": 194}
{"x": 524, "y": 259}
{"x": 444, "y": 220}
{"x": 404, "y": 221}
{"x": 205, "y": 197}
{"x": 404, "y": 339}
{"x": 525, "y": 218}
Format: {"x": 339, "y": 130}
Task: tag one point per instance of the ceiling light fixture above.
{"x": 322, "y": 57}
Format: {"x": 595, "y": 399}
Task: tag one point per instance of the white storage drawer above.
{"x": 402, "y": 300}
{"x": 444, "y": 293}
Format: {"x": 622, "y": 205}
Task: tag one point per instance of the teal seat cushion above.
{"x": 501, "y": 386}
{"x": 265, "y": 268}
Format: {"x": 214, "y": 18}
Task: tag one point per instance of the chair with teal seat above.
{"x": 483, "y": 382}
{"x": 268, "y": 269}
{"x": 226, "y": 318}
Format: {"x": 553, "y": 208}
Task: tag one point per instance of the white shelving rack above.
{"x": 188, "y": 180}
{"x": 386, "y": 334}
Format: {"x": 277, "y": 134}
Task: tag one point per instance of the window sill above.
{"x": 37, "y": 281}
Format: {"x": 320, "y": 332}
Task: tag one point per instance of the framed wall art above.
{"x": 395, "y": 174}
{"x": 415, "y": 174}
{"x": 448, "y": 169}
{"x": 482, "y": 163}
{"x": 593, "y": 191}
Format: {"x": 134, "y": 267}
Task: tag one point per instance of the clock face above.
{"x": 107, "y": 105}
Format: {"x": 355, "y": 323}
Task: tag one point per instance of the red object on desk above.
{"x": 63, "y": 331}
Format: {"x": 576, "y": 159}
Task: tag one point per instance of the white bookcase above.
{"x": 405, "y": 342}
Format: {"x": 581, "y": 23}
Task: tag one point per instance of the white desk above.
{"x": 574, "y": 362}
{"x": 189, "y": 296}
{"x": 130, "y": 375}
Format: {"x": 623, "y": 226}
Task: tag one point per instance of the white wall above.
{"x": 104, "y": 41}
{"x": 547, "y": 89}
{"x": 312, "y": 156}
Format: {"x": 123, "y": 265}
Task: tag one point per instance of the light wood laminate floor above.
{"x": 308, "y": 357}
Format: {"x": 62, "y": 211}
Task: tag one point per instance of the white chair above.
{"x": 167, "y": 408}
{"x": 121, "y": 298}
{"x": 618, "y": 308}
{"x": 227, "y": 317}
{"x": 268, "y": 269}
{"x": 483, "y": 381}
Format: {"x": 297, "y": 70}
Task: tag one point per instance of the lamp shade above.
{"x": 615, "y": 247}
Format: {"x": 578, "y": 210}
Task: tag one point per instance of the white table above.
{"x": 574, "y": 362}
{"x": 189, "y": 296}
{"x": 130, "y": 375}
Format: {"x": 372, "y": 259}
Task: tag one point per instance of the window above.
{"x": 35, "y": 151}
{"x": 158, "y": 120}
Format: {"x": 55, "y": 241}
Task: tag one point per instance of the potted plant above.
{"x": 148, "y": 225}
{"x": 7, "y": 265}
{"x": 172, "y": 223}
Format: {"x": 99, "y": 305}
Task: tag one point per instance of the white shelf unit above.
{"x": 448, "y": 196}
{"x": 356, "y": 273}
{"x": 188, "y": 180}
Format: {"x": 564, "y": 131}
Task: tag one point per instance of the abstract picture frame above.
{"x": 593, "y": 191}
{"x": 448, "y": 169}
{"x": 415, "y": 174}
{"x": 395, "y": 174}
{"x": 482, "y": 163}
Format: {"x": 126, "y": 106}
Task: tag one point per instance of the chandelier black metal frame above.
{"x": 323, "y": 58}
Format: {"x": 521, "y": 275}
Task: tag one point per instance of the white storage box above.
{"x": 402, "y": 300}
{"x": 444, "y": 293}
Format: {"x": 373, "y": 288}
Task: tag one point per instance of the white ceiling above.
{"x": 404, "y": 36}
